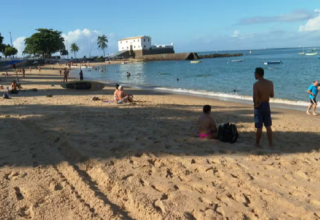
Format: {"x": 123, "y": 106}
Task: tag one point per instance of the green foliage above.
{"x": 74, "y": 48}
{"x": 45, "y": 42}
{"x": 102, "y": 43}
{"x": 63, "y": 52}
{"x": 100, "y": 59}
{"x": 10, "y": 51}
{"x": 2, "y": 46}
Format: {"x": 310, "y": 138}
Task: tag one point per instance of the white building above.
{"x": 135, "y": 43}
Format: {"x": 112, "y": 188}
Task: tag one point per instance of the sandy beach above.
{"x": 68, "y": 157}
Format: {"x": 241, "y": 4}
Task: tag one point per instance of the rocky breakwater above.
{"x": 172, "y": 56}
{"x": 216, "y": 55}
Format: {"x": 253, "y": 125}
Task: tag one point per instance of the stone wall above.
{"x": 138, "y": 54}
{"x": 175, "y": 56}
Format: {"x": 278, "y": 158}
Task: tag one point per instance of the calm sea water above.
{"x": 221, "y": 77}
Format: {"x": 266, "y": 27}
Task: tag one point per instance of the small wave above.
{"x": 231, "y": 96}
{"x": 203, "y": 75}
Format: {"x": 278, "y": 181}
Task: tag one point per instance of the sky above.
{"x": 193, "y": 26}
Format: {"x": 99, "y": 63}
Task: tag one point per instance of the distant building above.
{"x": 135, "y": 43}
{"x": 137, "y": 47}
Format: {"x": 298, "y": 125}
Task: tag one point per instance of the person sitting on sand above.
{"x": 207, "y": 126}
{"x": 122, "y": 97}
{"x": 14, "y": 87}
{"x": 115, "y": 93}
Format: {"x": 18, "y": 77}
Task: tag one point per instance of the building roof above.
{"x": 130, "y": 38}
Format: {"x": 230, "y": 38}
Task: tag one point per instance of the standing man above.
{"x": 23, "y": 73}
{"x": 65, "y": 74}
{"x": 81, "y": 75}
{"x": 262, "y": 92}
{"x": 313, "y": 92}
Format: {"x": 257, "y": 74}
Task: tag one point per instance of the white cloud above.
{"x": 239, "y": 35}
{"x": 298, "y": 15}
{"x": 236, "y": 33}
{"x": 19, "y": 45}
{"x": 86, "y": 38}
{"x": 312, "y": 24}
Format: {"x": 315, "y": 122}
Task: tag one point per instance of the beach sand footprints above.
{"x": 18, "y": 193}
{"x": 26, "y": 212}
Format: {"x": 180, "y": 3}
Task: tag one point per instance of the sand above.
{"x": 68, "y": 157}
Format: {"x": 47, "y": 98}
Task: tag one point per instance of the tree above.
{"x": 102, "y": 43}
{"x": 74, "y": 49}
{"x": 10, "y": 51}
{"x": 45, "y": 42}
{"x": 2, "y": 46}
{"x": 64, "y": 52}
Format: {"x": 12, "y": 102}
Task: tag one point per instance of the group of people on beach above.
{"x": 263, "y": 90}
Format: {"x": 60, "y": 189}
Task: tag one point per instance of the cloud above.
{"x": 236, "y": 33}
{"x": 19, "y": 45}
{"x": 239, "y": 35}
{"x": 86, "y": 38}
{"x": 312, "y": 24}
{"x": 298, "y": 15}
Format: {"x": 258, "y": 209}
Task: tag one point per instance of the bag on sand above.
{"x": 228, "y": 133}
{"x": 5, "y": 96}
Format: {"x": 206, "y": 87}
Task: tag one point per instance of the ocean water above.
{"x": 222, "y": 78}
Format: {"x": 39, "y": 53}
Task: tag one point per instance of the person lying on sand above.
{"x": 207, "y": 126}
{"x": 122, "y": 97}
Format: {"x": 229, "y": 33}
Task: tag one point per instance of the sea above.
{"x": 220, "y": 77}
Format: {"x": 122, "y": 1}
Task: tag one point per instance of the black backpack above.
{"x": 5, "y": 96}
{"x": 228, "y": 133}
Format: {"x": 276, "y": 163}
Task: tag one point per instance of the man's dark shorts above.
{"x": 262, "y": 115}
{"x": 313, "y": 101}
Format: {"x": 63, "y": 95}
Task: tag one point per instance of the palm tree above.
{"x": 74, "y": 49}
{"x": 102, "y": 42}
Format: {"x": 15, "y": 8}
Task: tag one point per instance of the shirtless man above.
{"x": 23, "y": 73}
{"x": 14, "y": 87}
{"x": 115, "y": 93}
{"x": 121, "y": 96}
{"x": 262, "y": 92}
{"x": 207, "y": 126}
{"x": 65, "y": 75}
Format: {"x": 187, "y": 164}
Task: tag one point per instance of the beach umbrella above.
{"x": 9, "y": 64}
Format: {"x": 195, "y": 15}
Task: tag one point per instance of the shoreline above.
{"x": 227, "y": 97}
{"x": 67, "y": 156}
